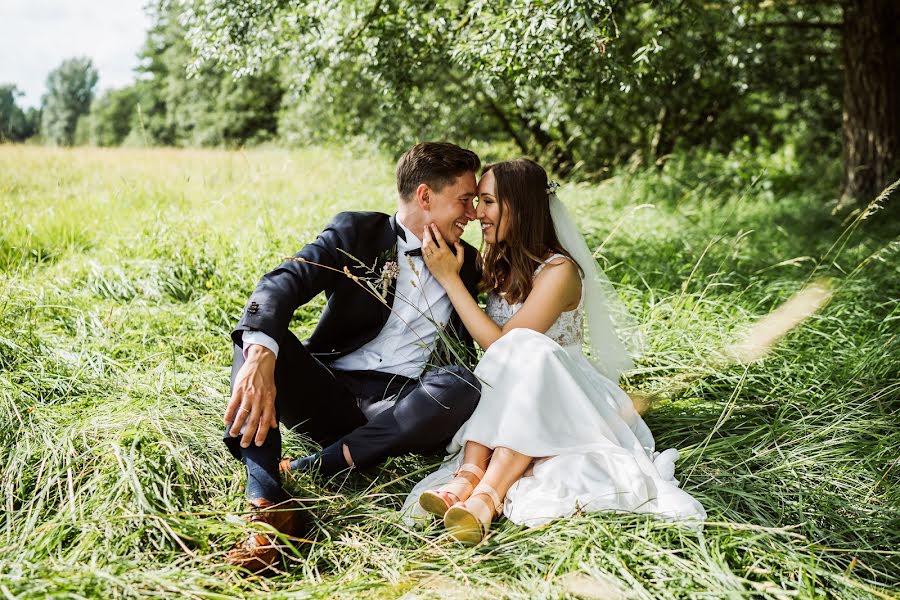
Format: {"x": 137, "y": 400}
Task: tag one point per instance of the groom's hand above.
{"x": 253, "y": 398}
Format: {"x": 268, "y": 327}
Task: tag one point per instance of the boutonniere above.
{"x": 390, "y": 270}
{"x": 389, "y": 255}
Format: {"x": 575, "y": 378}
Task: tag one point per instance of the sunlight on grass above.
{"x": 766, "y": 332}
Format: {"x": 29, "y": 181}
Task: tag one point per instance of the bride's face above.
{"x": 493, "y": 228}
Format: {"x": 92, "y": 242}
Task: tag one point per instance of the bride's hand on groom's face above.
{"x": 442, "y": 261}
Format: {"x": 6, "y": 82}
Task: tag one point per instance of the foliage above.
{"x": 582, "y": 85}
{"x": 113, "y": 115}
{"x": 114, "y": 355}
{"x": 207, "y": 108}
{"x": 16, "y": 125}
{"x": 70, "y": 90}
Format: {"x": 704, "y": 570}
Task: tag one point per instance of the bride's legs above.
{"x": 475, "y": 461}
{"x": 473, "y": 454}
{"x": 505, "y": 468}
{"x": 478, "y": 455}
{"x": 469, "y": 521}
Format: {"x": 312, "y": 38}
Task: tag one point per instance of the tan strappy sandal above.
{"x": 438, "y": 501}
{"x": 466, "y": 522}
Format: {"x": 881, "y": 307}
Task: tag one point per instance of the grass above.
{"x": 122, "y": 273}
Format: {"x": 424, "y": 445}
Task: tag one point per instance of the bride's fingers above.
{"x": 460, "y": 253}
{"x": 438, "y": 238}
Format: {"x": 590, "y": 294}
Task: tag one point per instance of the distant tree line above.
{"x": 165, "y": 106}
{"x": 16, "y": 125}
{"x": 583, "y": 85}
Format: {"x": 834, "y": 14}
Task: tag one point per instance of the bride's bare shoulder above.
{"x": 560, "y": 264}
{"x": 562, "y": 274}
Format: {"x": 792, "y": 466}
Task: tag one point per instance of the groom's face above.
{"x": 452, "y": 207}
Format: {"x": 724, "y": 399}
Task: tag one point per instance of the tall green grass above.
{"x": 122, "y": 273}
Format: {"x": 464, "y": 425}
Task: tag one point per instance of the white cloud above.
{"x": 37, "y": 35}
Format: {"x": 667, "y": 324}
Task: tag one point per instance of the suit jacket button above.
{"x": 253, "y": 308}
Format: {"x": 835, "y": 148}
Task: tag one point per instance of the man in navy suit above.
{"x": 366, "y": 384}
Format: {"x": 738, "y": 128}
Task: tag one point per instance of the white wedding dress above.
{"x": 541, "y": 396}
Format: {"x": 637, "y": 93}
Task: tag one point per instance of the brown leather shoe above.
{"x": 261, "y": 550}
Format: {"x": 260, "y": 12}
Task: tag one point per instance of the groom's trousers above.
{"x": 375, "y": 414}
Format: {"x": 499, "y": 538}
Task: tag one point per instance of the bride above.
{"x": 553, "y": 433}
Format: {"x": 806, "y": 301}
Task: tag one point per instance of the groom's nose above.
{"x": 470, "y": 210}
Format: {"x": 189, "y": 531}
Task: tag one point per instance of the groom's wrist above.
{"x": 258, "y": 337}
{"x": 259, "y": 353}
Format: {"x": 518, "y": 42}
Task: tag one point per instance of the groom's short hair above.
{"x": 435, "y": 164}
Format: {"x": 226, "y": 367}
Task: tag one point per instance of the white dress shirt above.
{"x": 403, "y": 346}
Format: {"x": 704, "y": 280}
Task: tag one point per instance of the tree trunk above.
{"x": 871, "y": 118}
{"x": 505, "y": 123}
{"x": 561, "y": 160}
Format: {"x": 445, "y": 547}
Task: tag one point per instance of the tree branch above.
{"x": 823, "y": 25}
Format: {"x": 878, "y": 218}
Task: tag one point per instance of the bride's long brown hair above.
{"x": 524, "y": 203}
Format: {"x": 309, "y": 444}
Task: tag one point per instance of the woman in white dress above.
{"x": 553, "y": 433}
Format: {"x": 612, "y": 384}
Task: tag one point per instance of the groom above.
{"x": 359, "y": 385}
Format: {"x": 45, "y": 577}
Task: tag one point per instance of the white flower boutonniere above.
{"x": 389, "y": 272}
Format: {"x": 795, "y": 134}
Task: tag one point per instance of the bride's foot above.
{"x": 458, "y": 489}
{"x": 470, "y": 521}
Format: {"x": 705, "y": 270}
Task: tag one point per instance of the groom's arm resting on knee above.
{"x": 268, "y": 311}
{"x": 253, "y": 397}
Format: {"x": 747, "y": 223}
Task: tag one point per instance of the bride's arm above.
{"x": 556, "y": 288}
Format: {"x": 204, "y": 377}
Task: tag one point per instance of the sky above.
{"x": 37, "y": 35}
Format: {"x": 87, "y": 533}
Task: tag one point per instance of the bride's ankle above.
{"x": 461, "y": 495}
{"x": 482, "y": 506}
{"x": 470, "y": 477}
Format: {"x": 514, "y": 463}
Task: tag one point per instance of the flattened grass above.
{"x": 122, "y": 273}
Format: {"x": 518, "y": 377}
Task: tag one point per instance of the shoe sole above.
{"x": 464, "y": 526}
{"x": 433, "y": 503}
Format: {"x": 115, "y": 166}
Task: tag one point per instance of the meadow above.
{"x": 123, "y": 271}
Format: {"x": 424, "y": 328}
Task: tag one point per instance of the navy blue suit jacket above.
{"x": 352, "y": 316}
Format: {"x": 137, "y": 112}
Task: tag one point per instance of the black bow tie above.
{"x": 414, "y": 252}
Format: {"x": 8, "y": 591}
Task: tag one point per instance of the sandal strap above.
{"x": 470, "y": 468}
{"x": 483, "y": 488}
{"x": 456, "y": 486}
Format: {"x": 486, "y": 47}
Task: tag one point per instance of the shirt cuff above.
{"x": 258, "y": 337}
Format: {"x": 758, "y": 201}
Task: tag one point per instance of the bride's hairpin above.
{"x": 551, "y": 187}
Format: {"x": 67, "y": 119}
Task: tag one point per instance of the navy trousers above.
{"x": 375, "y": 414}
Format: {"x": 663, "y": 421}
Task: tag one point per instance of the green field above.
{"x": 123, "y": 271}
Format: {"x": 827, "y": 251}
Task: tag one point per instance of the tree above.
{"x": 112, "y": 117}
{"x": 207, "y": 107}
{"x": 580, "y": 85}
{"x": 70, "y": 90}
{"x": 871, "y": 123}
{"x": 15, "y": 125}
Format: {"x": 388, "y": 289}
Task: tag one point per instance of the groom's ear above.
{"x": 423, "y": 196}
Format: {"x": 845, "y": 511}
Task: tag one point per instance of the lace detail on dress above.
{"x": 566, "y": 331}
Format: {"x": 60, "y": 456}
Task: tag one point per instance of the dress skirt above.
{"x": 592, "y": 450}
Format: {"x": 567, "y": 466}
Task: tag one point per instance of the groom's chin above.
{"x": 452, "y": 236}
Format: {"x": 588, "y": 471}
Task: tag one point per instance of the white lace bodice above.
{"x": 566, "y": 331}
